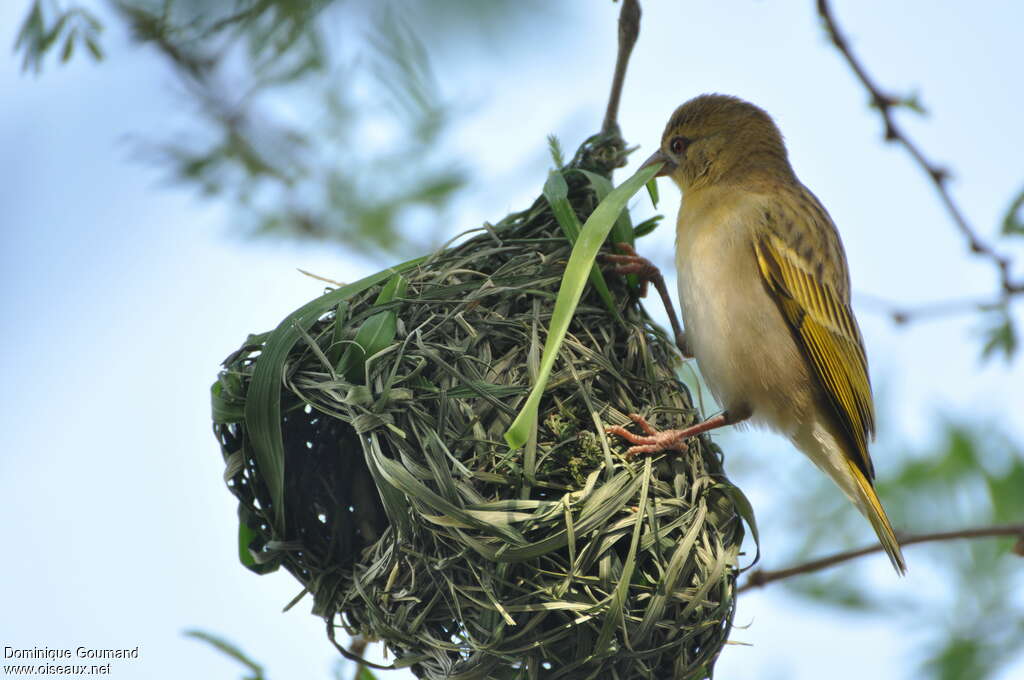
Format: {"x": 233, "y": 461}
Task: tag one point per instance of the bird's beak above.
{"x": 659, "y": 157}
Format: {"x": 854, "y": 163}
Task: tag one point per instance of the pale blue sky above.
{"x": 121, "y": 296}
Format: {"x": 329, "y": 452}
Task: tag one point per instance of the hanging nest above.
{"x": 364, "y": 441}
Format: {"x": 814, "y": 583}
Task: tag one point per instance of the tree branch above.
{"x": 629, "y": 30}
{"x": 904, "y": 314}
{"x": 762, "y": 577}
{"x": 939, "y": 176}
{"x": 358, "y": 648}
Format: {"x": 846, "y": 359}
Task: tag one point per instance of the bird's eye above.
{"x": 679, "y": 145}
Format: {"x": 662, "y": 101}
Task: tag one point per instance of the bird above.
{"x": 764, "y": 288}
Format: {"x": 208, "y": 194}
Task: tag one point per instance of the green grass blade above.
{"x": 652, "y": 191}
{"x": 263, "y": 402}
{"x": 374, "y": 334}
{"x": 647, "y": 226}
{"x": 746, "y": 511}
{"x": 245, "y": 538}
{"x": 618, "y": 599}
{"x": 230, "y": 650}
{"x": 622, "y": 232}
{"x": 577, "y": 270}
{"x": 225, "y": 409}
{"x": 556, "y": 191}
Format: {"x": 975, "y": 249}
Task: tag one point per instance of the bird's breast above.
{"x": 743, "y": 346}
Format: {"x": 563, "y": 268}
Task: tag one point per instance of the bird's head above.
{"x": 715, "y": 139}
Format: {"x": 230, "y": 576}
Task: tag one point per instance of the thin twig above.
{"x": 762, "y": 577}
{"x": 629, "y": 29}
{"x": 358, "y": 648}
{"x": 901, "y": 314}
{"x": 938, "y": 175}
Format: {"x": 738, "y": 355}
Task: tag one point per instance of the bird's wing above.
{"x": 827, "y": 333}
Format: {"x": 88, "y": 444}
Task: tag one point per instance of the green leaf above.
{"x": 959, "y": 657}
{"x": 647, "y": 226}
{"x": 556, "y": 191}
{"x": 230, "y": 650}
{"x": 1001, "y": 338}
{"x": 94, "y": 48}
{"x": 263, "y": 401}
{"x": 746, "y": 511}
{"x": 69, "y": 47}
{"x": 1013, "y": 225}
{"x": 392, "y": 290}
{"x": 225, "y": 409}
{"x": 622, "y": 232}
{"x": 592, "y": 236}
{"x": 652, "y": 191}
{"x": 337, "y": 347}
{"x": 374, "y": 334}
{"x": 246, "y": 536}
{"x": 913, "y": 102}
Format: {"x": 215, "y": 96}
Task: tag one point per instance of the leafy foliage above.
{"x": 1000, "y": 336}
{"x": 973, "y": 477}
{"x": 315, "y": 120}
{"x": 307, "y": 141}
{"x": 47, "y": 25}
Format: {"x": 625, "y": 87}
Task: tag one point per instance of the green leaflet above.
{"x": 652, "y": 191}
{"x": 556, "y": 191}
{"x": 622, "y": 231}
{"x": 375, "y": 334}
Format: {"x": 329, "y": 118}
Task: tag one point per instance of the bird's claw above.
{"x": 629, "y": 262}
{"x": 652, "y": 441}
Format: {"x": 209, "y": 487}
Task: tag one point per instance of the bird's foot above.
{"x": 673, "y": 440}
{"x": 631, "y": 263}
{"x": 652, "y": 441}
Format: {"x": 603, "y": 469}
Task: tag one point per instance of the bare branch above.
{"x": 901, "y": 314}
{"x": 938, "y": 175}
{"x": 629, "y": 29}
{"x": 358, "y": 648}
{"x": 762, "y": 577}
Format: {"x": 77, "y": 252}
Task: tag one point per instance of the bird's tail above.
{"x": 866, "y": 500}
{"x": 827, "y": 452}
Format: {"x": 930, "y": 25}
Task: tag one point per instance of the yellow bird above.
{"x": 765, "y": 294}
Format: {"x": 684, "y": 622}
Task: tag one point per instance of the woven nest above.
{"x": 404, "y": 513}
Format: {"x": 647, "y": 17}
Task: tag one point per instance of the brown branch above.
{"x": 358, "y": 648}
{"x": 349, "y": 655}
{"x": 904, "y": 314}
{"x": 938, "y": 175}
{"x": 629, "y": 30}
{"x": 762, "y": 577}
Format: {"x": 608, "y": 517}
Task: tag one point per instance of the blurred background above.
{"x": 170, "y": 166}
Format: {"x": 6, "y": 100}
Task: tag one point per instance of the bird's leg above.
{"x": 631, "y": 263}
{"x": 653, "y": 441}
